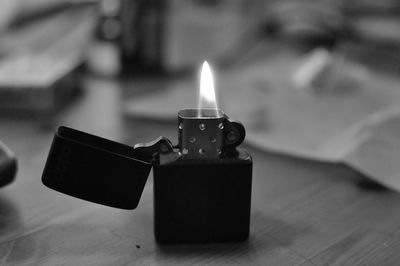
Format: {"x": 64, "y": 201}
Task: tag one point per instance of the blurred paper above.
{"x": 330, "y": 124}
{"x": 374, "y": 148}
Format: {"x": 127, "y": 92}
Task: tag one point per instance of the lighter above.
{"x": 202, "y": 186}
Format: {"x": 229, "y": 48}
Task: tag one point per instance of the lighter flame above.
{"x": 207, "y": 99}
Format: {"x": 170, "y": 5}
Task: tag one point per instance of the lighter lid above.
{"x": 96, "y": 169}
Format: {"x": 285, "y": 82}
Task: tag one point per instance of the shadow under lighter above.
{"x": 202, "y": 186}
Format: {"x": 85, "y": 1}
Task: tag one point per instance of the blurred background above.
{"x": 297, "y": 73}
{"x": 312, "y": 79}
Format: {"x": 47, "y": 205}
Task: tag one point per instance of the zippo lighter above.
{"x": 202, "y": 186}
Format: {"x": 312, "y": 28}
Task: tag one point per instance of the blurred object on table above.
{"x": 8, "y": 165}
{"x": 142, "y": 40}
{"x": 376, "y": 42}
{"x": 375, "y": 34}
{"x": 365, "y": 30}
{"x": 39, "y": 85}
{"x": 327, "y": 72}
{"x": 315, "y": 69}
{"x": 161, "y": 36}
{"x": 308, "y": 22}
{"x": 39, "y": 71}
{"x": 109, "y": 25}
{"x": 104, "y": 59}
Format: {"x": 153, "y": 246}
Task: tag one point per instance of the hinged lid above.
{"x": 96, "y": 169}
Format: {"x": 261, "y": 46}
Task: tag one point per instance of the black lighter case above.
{"x": 198, "y": 198}
{"x": 200, "y": 201}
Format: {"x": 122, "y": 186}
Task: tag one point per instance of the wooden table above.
{"x": 303, "y": 212}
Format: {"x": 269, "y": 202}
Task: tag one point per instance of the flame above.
{"x": 207, "y": 99}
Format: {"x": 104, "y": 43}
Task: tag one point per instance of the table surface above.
{"x": 303, "y": 212}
